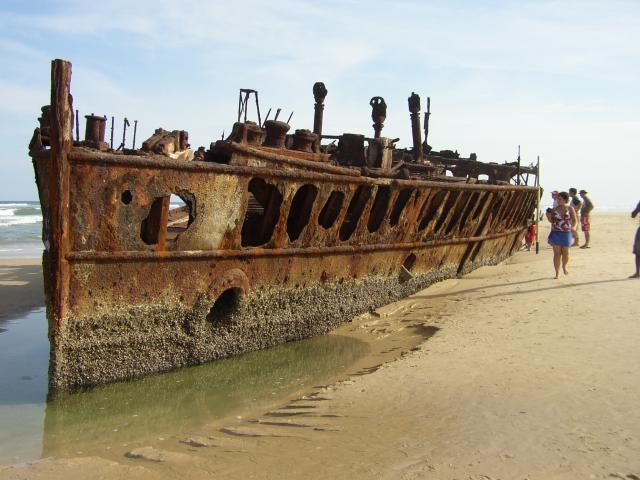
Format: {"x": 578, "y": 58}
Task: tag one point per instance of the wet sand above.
{"x": 21, "y": 288}
{"x": 525, "y": 377}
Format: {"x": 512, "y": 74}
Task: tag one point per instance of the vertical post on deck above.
{"x": 61, "y": 143}
{"x": 518, "y": 174}
{"x": 427, "y": 114}
{"x": 378, "y": 115}
{"x": 319, "y": 94}
{"x": 538, "y": 206}
{"x": 112, "y": 125}
{"x": 135, "y": 130}
{"x": 414, "y": 108}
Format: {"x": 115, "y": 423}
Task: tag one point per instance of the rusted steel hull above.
{"x": 273, "y": 247}
{"x": 133, "y": 308}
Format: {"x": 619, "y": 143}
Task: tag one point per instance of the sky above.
{"x": 559, "y": 78}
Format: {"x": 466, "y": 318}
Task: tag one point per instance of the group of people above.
{"x": 564, "y": 219}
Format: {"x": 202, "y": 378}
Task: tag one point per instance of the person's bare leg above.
{"x": 576, "y": 238}
{"x": 587, "y": 237}
{"x": 637, "y": 274}
{"x": 557, "y": 253}
{"x": 565, "y": 260}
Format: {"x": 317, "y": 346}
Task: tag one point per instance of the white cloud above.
{"x": 20, "y": 99}
{"x": 558, "y": 77}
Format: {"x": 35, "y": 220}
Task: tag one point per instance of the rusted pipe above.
{"x": 378, "y": 114}
{"x": 95, "y": 128}
{"x": 319, "y": 94}
{"x": 414, "y": 108}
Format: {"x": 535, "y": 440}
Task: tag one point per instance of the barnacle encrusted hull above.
{"x": 270, "y": 245}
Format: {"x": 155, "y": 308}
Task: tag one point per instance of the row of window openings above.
{"x": 176, "y": 212}
{"x": 265, "y": 200}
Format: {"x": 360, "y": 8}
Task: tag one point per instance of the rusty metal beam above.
{"x": 164, "y": 163}
{"x": 92, "y": 256}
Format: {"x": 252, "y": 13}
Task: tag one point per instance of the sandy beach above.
{"x": 526, "y": 377}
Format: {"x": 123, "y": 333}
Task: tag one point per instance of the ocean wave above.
{"x": 19, "y": 220}
{"x": 21, "y": 251}
{"x": 19, "y": 211}
{"x": 16, "y": 239}
{"x": 27, "y": 211}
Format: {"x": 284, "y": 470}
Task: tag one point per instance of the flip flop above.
{"x": 585, "y": 246}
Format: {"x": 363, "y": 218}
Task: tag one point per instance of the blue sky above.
{"x": 560, "y": 78}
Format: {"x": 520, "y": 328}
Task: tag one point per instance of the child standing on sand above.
{"x": 530, "y": 237}
{"x": 563, "y": 221}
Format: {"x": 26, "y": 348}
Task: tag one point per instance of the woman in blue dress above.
{"x": 563, "y": 220}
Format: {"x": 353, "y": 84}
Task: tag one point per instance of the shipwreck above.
{"x": 278, "y": 237}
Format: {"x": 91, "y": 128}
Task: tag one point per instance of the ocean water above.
{"x": 163, "y": 405}
{"x": 20, "y": 229}
{"x": 128, "y": 413}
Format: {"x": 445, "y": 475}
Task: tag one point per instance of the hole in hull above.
{"x": 398, "y": 207}
{"x": 379, "y": 208}
{"x": 224, "y": 308}
{"x": 409, "y": 262}
{"x": 458, "y": 218}
{"x": 432, "y": 208}
{"x": 180, "y": 215}
{"x": 354, "y": 211}
{"x": 405, "y": 270}
{"x": 169, "y": 216}
{"x": 331, "y": 210}
{"x": 126, "y": 197}
{"x": 300, "y": 210}
{"x": 474, "y": 203}
{"x": 263, "y": 212}
{"x": 450, "y": 202}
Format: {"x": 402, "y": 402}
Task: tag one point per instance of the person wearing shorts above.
{"x": 636, "y": 244}
{"x": 585, "y": 218}
{"x": 576, "y": 203}
{"x": 563, "y": 221}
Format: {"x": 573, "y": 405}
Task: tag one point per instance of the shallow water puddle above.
{"x": 153, "y": 407}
